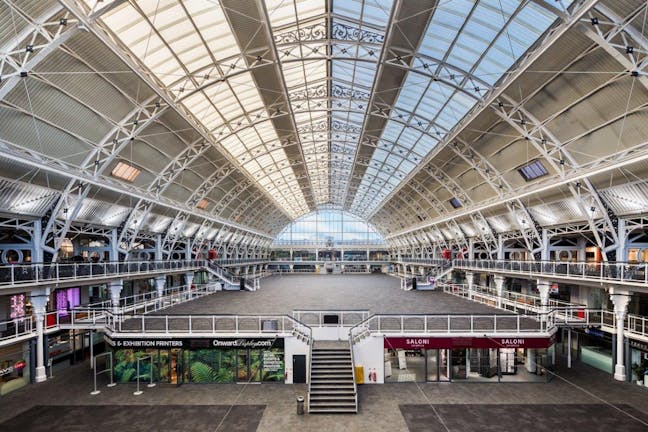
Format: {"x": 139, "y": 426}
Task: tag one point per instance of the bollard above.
{"x": 300, "y": 405}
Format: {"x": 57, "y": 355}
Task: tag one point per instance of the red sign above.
{"x": 467, "y": 342}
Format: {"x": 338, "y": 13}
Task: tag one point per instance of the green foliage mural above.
{"x": 126, "y": 365}
{"x": 202, "y": 365}
{"x": 212, "y": 366}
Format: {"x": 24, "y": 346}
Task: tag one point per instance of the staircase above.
{"x": 332, "y": 388}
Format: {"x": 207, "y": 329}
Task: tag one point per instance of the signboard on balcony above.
{"x": 195, "y": 343}
{"x": 467, "y": 342}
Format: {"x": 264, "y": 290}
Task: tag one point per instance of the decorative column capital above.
{"x": 620, "y": 298}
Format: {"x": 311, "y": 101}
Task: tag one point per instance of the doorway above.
{"x": 299, "y": 369}
{"x": 248, "y": 365}
{"x": 437, "y": 365}
{"x": 177, "y": 366}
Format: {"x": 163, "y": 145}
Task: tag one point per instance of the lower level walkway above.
{"x": 580, "y": 399}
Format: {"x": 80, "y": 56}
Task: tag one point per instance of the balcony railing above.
{"x": 611, "y": 271}
{"x": 345, "y": 318}
{"x": 562, "y": 313}
{"x": 455, "y": 324}
{"x": 35, "y": 273}
{"x": 208, "y": 324}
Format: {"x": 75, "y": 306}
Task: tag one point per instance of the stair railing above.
{"x": 355, "y": 386}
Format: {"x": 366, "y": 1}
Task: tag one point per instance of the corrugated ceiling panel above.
{"x": 26, "y": 199}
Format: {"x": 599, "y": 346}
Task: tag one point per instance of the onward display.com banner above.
{"x": 203, "y": 343}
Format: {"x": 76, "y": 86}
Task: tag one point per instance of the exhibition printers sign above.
{"x": 195, "y": 343}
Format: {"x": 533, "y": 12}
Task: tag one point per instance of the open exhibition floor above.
{"x": 580, "y": 399}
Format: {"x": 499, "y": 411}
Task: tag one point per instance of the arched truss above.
{"x": 617, "y": 38}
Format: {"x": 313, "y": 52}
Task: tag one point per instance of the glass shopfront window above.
{"x": 14, "y": 367}
{"x": 201, "y": 366}
{"x": 467, "y": 364}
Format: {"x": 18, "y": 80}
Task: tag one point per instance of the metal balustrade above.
{"x": 346, "y": 318}
{"x": 250, "y": 281}
{"x": 97, "y": 314}
{"x": 563, "y": 313}
{"x": 632, "y": 273}
{"x": 208, "y": 325}
{"x": 16, "y": 275}
{"x": 455, "y": 324}
{"x": 16, "y": 329}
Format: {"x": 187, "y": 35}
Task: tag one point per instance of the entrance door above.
{"x": 176, "y": 366}
{"x": 248, "y": 365}
{"x": 242, "y": 366}
{"x": 432, "y": 364}
{"x": 299, "y": 369}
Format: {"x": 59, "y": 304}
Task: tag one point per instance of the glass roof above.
{"x": 328, "y": 62}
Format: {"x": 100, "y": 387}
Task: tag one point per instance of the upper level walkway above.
{"x": 627, "y": 274}
{"x": 34, "y": 275}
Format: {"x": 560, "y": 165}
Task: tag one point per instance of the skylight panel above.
{"x": 125, "y": 171}
{"x": 533, "y": 170}
{"x": 455, "y": 203}
{"x": 202, "y": 205}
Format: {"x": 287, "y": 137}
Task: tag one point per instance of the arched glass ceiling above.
{"x": 329, "y": 226}
{"x": 289, "y": 92}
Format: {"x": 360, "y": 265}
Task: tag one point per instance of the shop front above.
{"x": 14, "y": 367}
{"x": 203, "y": 361}
{"x": 467, "y": 359}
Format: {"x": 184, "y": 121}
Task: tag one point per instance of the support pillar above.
{"x": 470, "y": 281}
{"x": 39, "y": 300}
{"x": 189, "y": 277}
{"x": 115, "y": 287}
{"x": 543, "y": 288}
{"x": 620, "y": 298}
{"x": 160, "y": 281}
{"x": 500, "y": 248}
{"x": 499, "y": 285}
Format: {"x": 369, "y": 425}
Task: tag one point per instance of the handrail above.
{"x": 455, "y": 324}
{"x": 572, "y": 314}
{"x": 25, "y": 274}
{"x": 611, "y": 271}
{"x": 355, "y": 385}
{"x": 345, "y": 315}
{"x": 207, "y": 324}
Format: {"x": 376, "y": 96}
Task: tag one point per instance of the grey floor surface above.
{"x": 377, "y": 293}
{"x": 583, "y": 394}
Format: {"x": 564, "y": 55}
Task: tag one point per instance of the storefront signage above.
{"x": 642, "y": 346}
{"x": 243, "y": 343}
{"x": 16, "y": 367}
{"x": 466, "y": 342}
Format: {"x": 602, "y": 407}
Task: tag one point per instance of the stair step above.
{"x": 336, "y": 397}
{"x": 326, "y": 404}
{"x": 331, "y": 381}
{"x": 333, "y": 410}
{"x": 346, "y": 360}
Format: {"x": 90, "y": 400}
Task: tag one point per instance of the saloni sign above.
{"x": 467, "y": 342}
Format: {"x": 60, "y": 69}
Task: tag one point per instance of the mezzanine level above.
{"x": 60, "y": 275}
